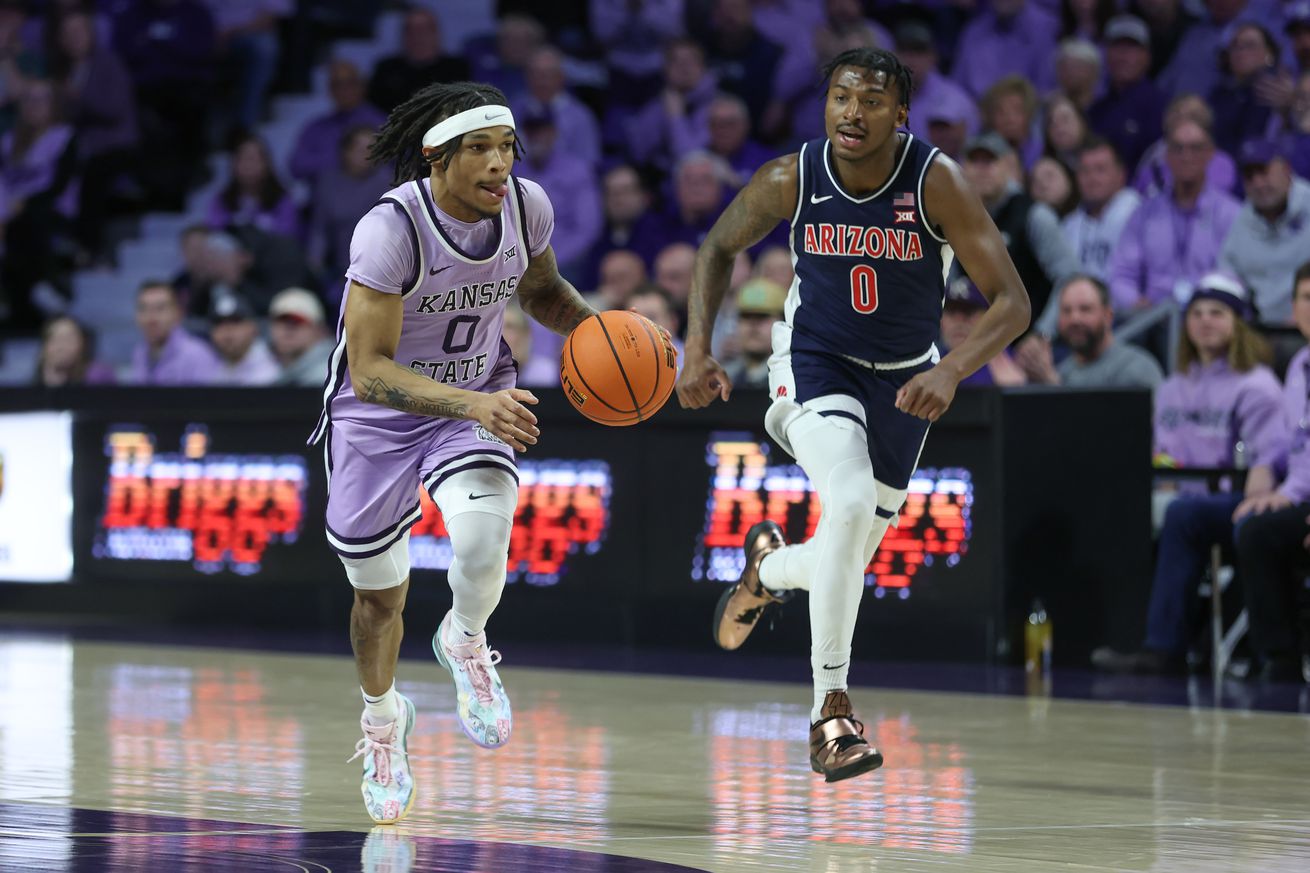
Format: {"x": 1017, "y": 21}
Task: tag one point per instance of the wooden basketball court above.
{"x": 121, "y": 758}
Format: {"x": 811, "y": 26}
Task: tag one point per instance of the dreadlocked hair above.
{"x": 873, "y": 59}
{"x": 400, "y": 140}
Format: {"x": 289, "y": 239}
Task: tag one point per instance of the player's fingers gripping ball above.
{"x": 617, "y": 368}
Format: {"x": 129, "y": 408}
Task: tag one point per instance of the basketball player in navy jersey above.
{"x": 876, "y": 217}
{"x": 420, "y": 393}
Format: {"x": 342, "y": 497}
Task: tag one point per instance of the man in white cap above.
{"x": 299, "y": 337}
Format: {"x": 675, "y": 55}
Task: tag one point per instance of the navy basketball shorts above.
{"x": 833, "y": 385}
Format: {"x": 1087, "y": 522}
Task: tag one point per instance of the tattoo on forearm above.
{"x": 377, "y": 390}
{"x": 711, "y": 281}
{"x": 562, "y": 311}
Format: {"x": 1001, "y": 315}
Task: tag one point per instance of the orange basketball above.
{"x": 616, "y": 368}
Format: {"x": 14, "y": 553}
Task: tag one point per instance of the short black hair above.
{"x": 1302, "y": 273}
{"x": 400, "y": 139}
{"x": 150, "y": 284}
{"x": 874, "y": 59}
{"x": 1102, "y": 290}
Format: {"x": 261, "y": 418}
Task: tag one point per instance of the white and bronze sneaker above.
{"x": 741, "y": 606}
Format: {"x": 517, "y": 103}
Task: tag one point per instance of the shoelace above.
{"x": 475, "y": 667}
{"x": 382, "y": 753}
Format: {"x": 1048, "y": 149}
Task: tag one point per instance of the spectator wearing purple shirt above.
{"x": 1078, "y": 68}
{"x": 341, "y": 196}
{"x": 568, "y": 180}
{"x": 1129, "y": 114}
{"x": 932, "y": 92}
{"x": 681, "y": 109}
{"x": 546, "y": 92}
{"x": 1298, "y": 138}
{"x": 534, "y": 370}
{"x": 420, "y": 62}
{"x": 1013, "y": 37}
{"x": 1064, "y": 130}
{"x": 700, "y": 191}
{"x": 97, "y": 97}
{"x": 621, "y": 272}
{"x": 632, "y": 34}
{"x": 169, "y": 48}
{"x": 319, "y": 145}
{"x": 247, "y": 32}
{"x": 1239, "y": 112}
{"x": 67, "y": 356}
{"x": 502, "y": 61}
{"x": 1173, "y": 238}
{"x": 1195, "y": 68}
{"x": 1273, "y": 538}
{"x": 167, "y": 354}
{"x": 628, "y": 224}
{"x": 729, "y": 138}
{"x": 744, "y": 62}
{"x": 254, "y": 196}
{"x": 1168, "y": 22}
{"x": 1153, "y": 175}
{"x": 1220, "y": 396}
{"x": 1296, "y": 17}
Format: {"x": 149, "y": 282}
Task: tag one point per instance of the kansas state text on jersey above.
{"x": 870, "y": 271}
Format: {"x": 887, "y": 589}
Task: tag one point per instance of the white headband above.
{"x": 467, "y": 121}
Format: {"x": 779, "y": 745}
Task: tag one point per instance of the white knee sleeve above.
{"x": 478, "y": 506}
{"x": 386, "y": 570}
{"x": 482, "y": 489}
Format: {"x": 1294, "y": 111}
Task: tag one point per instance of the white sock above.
{"x": 383, "y": 709}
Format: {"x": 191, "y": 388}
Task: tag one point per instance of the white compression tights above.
{"x": 479, "y": 537}
{"x": 834, "y": 453}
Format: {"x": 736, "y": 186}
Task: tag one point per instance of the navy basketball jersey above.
{"x": 870, "y": 271}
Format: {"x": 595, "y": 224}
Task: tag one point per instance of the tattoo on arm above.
{"x": 548, "y": 298}
{"x": 378, "y": 390}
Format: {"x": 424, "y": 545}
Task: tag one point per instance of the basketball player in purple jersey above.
{"x": 420, "y": 393}
{"x": 876, "y": 217}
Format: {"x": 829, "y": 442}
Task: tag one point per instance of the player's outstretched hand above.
{"x": 701, "y": 381}
{"x": 504, "y": 415}
{"x": 928, "y": 394}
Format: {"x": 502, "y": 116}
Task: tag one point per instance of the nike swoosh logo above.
{"x": 490, "y": 115}
{"x": 435, "y": 270}
{"x": 834, "y": 666}
{"x": 816, "y": 199}
{"x": 480, "y": 496}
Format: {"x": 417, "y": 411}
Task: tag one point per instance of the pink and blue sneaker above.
{"x": 388, "y": 787}
{"x": 483, "y": 707}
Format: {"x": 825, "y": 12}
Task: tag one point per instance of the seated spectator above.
{"x": 193, "y": 279}
{"x": 743, "y": 61}
{"x": 661, "y": 129}
{"x": 1051, "y": 183}
{"x": 729, "y": 138}
{"x": 37, "y": 163}
{"x": 1086, "y": 326}
{"x": 254, "y": 195}
{"x": 421, "y": 62}
{"x": 1168, "y": 21}
{"x": 631, "y": 36}
{"x": 1299, "y": 125}
{"x": 222, "y": 268}
{"x": 621, "y": 273}
{"x": 299, "y": 338}
{"x": 1222, "y": 393}
{"x": 1296, "y": 25}
{"x": 569, "y": 181}
{"x": 759, "y": 305}
{"x": 1239, "y": 113}
{"x": 1013, "y": 37}
{"x": 700, "y": 193}
{"x": 774, "y": 264}
{"x": 97, "y": 95}
{"x": 963, "y": 306}
{"x": 169, "y": 48}
{"x": 949, "y": 121}
{"x": 654, "y": 303}
{"x": 1078, "y": 72}
{"x": 1273, "y": 533}
{"x": 341, "y": 195}
{"x": 1032, "y": 230}
{"x": 167, "y": 354}
{"x": 1195, "y": 67}
{"x": 547, "y": 94}
{"x": 1086, "y": 19}
{"x": 1130, "y": 112}
{"x": 1153, "y": 174}
{"x": 1270, "y": 237}
{"x": 1064, "y": 130}
{"x": 503, "y": 60}
{"x": 244, "y": 357}
{"x": 1105, "y": 204}
{"x": 1009, "y": 108}
{"x": 318, "y": 148}
{"x": 931, "y": 90}
{"x": 248, "y": 51}
{"x": 67, "y": 356}
{"x": 1173, "y": 238}
{"x": 673, "y": 273}
{"x": 629, "y": 222}
{"x": 535, "y": 371}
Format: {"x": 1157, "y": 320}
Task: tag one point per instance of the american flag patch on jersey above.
{"x": 903, "y": 205}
